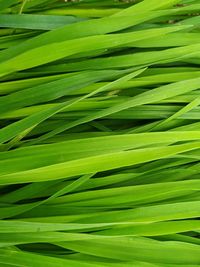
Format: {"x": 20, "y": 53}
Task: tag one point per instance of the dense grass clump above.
{"x": 100, "y": 133}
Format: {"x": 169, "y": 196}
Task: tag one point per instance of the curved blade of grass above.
{"x": 31, "y": 121}
{"x": 53, "y": 89}
{"x": 20, "y": 258}
{"x": 148, "y": 97}
{"x": 41, "y": 55}
{"x": 78, "y": 30}
{"x": 95, "y": 164}
{"x": 43, "y": 155}
{"x": 138, "y": 248}
{"x": 35, "y": 22}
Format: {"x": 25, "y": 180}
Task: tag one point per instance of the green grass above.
{"x": 99, "y": 133}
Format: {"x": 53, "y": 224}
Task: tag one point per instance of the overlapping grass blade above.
{"x": 99, "y": 133}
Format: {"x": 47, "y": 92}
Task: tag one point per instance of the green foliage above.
{"x": 99, "y": 133}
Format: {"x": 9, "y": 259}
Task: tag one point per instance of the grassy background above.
{"x": 99, "y": 133}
